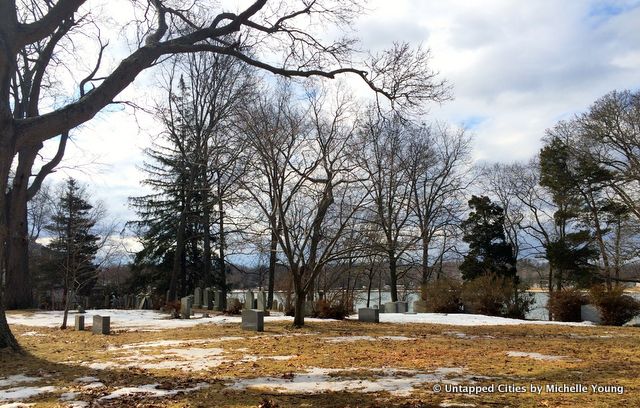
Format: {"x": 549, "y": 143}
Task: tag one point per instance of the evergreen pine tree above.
{"x": 489, "y": 252}
{"x": 74, "y": 244}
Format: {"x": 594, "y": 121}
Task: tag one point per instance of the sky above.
{"x": 516, "y": 68}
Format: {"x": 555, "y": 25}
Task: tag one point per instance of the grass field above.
{"x": 328, "y": 364}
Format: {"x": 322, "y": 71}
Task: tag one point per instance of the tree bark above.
{"x": 273, "y": 258}
{"x": 223, "y": 264}
{"x": 18, "y": 276}
{"x": 393, "y": 276}
{"x": 298, "y": 315}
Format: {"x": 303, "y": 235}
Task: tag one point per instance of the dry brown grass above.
{"x": 594, "y": 355}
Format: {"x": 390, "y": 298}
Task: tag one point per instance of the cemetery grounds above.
{"x": 211, "y": 362}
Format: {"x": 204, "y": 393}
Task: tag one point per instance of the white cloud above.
{"x": 517, "y": 68}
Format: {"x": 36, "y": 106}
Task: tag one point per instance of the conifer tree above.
{"x": 73, "y": 242}
{"x": 489, "y": 252}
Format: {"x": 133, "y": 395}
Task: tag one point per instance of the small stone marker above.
{"x": 590, "y": 313}
{"x": 248, "y": 300}
{"x": 253, "y": 320}
{"x": 274, "y": 305}
{"x": 185, "y": 307}
{"x": 395, "y": 307}
{"x": 217, "y": 300}
{"x": 79, "y": 323}
{"x": 206, "y": 298}
{"x": 101, "y": 324}
{"x": 368, "y": 314}
{"x": 262, "y": 301}
{"x": 197, "y": 298}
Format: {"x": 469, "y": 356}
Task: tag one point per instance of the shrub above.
{"x": 442, "y": 296}
{"x": 494, "y": 295}
{"x": 234, "y": 307}
{"x": 323, "y": 309}
{"x": 565, "y": 304}
{"x": 615, "y": 307}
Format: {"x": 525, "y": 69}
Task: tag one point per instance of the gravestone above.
{"x": 197, "y": 298}
{"x": 395, "y": 307}
{"x": 101, "y": 324}
{"x": 79, "y": 323}
{"x": 368, "y": 314}
{"x": 185, "y": 307}
{"x": 167, "y": 297}
{"x": 217, "y": 299}
{"x": 590, "y": 313}
{"x": 262, "y": 301}
{"x": 253, "y": 320}
{"x": 207, "y": 301}
{"x": 248, "y": 300}
{"x": 274, "y": 305}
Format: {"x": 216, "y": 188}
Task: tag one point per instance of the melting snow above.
{"x": 535, "y": 356}
{"x": 151, "y": 319}
{"x": 318, "y": 380}
{"x": 19, "y": 393}
{"x": 349, "y": 339}
{"x": 16, "y": 379}
{"x": 151, "y": 390}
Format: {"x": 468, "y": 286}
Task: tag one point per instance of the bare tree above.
{"x": 438, "y": 158}
{"x": 316, "y": 203}
{"x": 282, "y": 30}
{"x": 383, "y": 159}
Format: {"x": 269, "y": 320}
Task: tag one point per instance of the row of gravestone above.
{"x": 372, "y": 314}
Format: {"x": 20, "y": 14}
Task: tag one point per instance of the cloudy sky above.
{"x": 516, "y": 67}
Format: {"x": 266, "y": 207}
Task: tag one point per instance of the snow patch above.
{"x": 77, "y": 404}
{"x": 19, "y": 393}
{"x": 317, "y": 380}
{"x": 151, "y": 390}
{"x": 32, "y": 333}
{"x": 86, "y": 379}
{"x": 16, "y": 379}
{"x": 68, "y": 396}
{"x": 535, "y": 356}
{"x": 459, "y": 319}
{"x": 350, "y": 339}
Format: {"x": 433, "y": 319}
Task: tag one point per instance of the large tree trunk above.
{"x": 425, "y": 262}
{"x": 18, "y": 277}
{"x": 550, "y": 284}
{"x": 177, "y": 257}
{"x": 65, "y": 302}
{"x": 393, "y": 276}
{"x": 7, "y": 340}
{"x": 273, "y": 247}
{"x": 223, "y": 264}
{"x": 206, "y": 251}
{"x": 298, "y": 314}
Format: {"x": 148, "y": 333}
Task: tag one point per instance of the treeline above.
{"x": 313, "y": 179}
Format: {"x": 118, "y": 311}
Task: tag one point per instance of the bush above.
{"x": 442, "y": 296}
{"x": 234, "y": 307}
{"x": 324, "y": 309}
{"x": 615, "y": 307}
{"x": 565, "y": 305}
{"x": 494, "y": 295}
